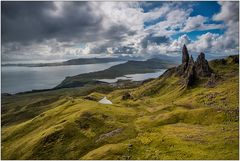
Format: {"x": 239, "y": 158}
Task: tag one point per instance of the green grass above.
{"x": 161, "y": 120}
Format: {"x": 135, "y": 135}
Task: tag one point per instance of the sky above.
{"x": 66, "y": 30}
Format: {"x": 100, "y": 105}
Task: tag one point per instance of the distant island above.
{"x": 80, "y": 61}
{"x": 130, "y": 67}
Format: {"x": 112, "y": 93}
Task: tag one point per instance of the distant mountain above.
{"x": 178, "y": 58}
{"x": 80, "y": 61}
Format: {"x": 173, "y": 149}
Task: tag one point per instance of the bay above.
{"x": 136, "y": 77}
{"x": 20, "y": 79}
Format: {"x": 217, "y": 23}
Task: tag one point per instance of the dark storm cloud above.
{"x": 154, "y": 39}
{"x": 35, "y": 21}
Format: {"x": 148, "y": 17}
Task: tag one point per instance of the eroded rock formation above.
{"x": 185, "y": 56}
{"x": 202, "y": 67}
{"x": 190, "y": 71}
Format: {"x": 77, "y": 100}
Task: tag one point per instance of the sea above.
{"x": 15, "y": 79}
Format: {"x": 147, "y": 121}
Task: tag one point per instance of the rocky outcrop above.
{"x": 202, "y": 67}
{"x": 109, "y": 134}
{"x": 190, "y": 71}
{"x": 185, "y": 57}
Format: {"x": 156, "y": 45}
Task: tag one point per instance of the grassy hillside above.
{"x": 160, "y": 119}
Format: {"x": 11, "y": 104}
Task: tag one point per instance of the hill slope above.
{"x": 161, "y": 119}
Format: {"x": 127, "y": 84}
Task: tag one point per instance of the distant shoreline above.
{"x": 80, "y": 61}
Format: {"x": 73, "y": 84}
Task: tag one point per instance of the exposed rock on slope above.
{"x": 211, "y": 81}
{"x": 185, "y": 57}
{"x": 202, "y": 67}
{"x": 126, "y": 96}
{"x": 190, "y": 71}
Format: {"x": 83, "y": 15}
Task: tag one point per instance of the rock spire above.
{"x": 202, "y": 67}
{"x": 190, "y": 71}
{"x": 185, "y": 55}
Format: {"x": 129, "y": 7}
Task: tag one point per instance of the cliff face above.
{"x": 191, "y": 70}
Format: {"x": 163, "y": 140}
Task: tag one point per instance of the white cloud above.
{"x": 229, "y": 11}
{"x": 177, "y": 44}
{"x": 122, "y": 29}
{"x": 199, "y": 23}
{"x": 174, "y": 20}
{"x": 204, "y": 42}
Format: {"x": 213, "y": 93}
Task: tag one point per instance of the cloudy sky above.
{"x": 64, "y": 30}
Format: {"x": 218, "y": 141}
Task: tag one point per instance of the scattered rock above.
{"x": 109, "y": 134}
{"x": 130, "y": 145}
{"x": 128, "y": 157}
{"x": 211, "y": 81}
{"x": 90, "y": 98}
{"x": 52, "y": 138}
{"x": 104, "y": 116}
{"x": 211, "y": 96}
{"x": 126, "y": 96}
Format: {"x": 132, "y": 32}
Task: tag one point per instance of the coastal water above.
{"x": 19, "y": 79}
{"x": 136, "y": 77}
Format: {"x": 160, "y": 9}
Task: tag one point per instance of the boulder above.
{"x": 126, "y": 96}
